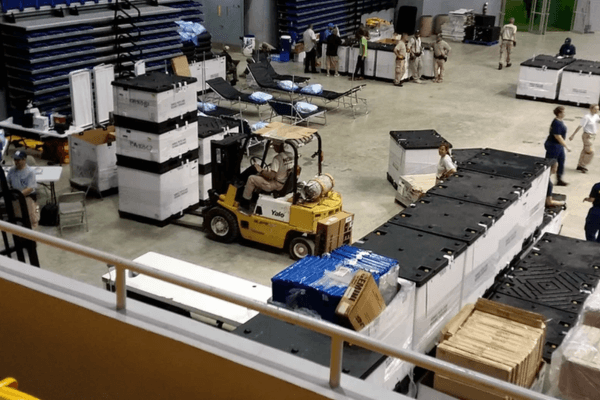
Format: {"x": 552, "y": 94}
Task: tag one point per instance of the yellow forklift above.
{"x": 304, "y": 217}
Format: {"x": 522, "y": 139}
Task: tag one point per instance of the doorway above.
{"x": 539, "y": 16}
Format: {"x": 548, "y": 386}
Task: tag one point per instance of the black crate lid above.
{"x": 565, "y": 253}
{"x": 423, "y": 139}
{"x": 562, "y": 289}
{"x": 584, "y": 67}
{"x": 421, "y": 255}
{"x": 476, "y": 187}
{"x": 307, "y": 344}
{"x": 381, "y": 46}
{"x": 208, "y": 126}
{"x": 154, "y": 82}
{"x": 508, "y": 164}
{"x": 462, "y": 155}
{"x": 558, "y": 322}
{"x": 550, "y": 62}
{"x": 455, "y": 219}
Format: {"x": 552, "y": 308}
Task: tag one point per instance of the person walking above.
{"x": 360, "y": 61}
{"x": 592, "y": 221}
{"x": 415, "y": 49}
{"x": 441, "y": 51}
{"x": 589, "y": 123}
{"x": 508, "y": 36}
{"x": 333, "y": 43}
{"x": 310, "y": 41}
{"x": 400, "y": 52}
{"x": 555, "y": 143}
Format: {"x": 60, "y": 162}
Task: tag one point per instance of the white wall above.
{"x": 261, "y": 21}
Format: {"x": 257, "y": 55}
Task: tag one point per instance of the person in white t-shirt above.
{"x": 446, "y": 166}
{"x": 508, "y": 39}
{"x": 310, "y": 42}
{"x": 589, "y": 123}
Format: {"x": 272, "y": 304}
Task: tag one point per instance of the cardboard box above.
{"x": 94, "y": 155}
{"x": 412, "y": 187}
{"x": 495, "y": 339}
{"x": 298, "y": 48}
{"x": 362, "y": 302}
{"x": 334, "y": 231}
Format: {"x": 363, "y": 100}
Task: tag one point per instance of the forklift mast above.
{"x": 226, "y": 160}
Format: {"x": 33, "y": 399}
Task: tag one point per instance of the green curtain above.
{"x": 559, "y": 18}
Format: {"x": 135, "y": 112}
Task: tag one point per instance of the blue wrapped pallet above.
{"x": 317, "y": 284}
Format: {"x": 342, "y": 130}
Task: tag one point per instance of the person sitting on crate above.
{"x": 567, "y": 50}
{"x": 446, "y": 167}
{"x": 230, "y": 65}
{"x": 268, "y": 179}
{"x": 21, "y": 177}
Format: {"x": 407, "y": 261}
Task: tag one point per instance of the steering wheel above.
{"x": 255, "y": 160}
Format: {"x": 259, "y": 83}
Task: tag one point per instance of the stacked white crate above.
{"x": 157, "y": 146}
{"x": 580, "y": 83}
{"x": 455, "y": 27}
{"x": 540, "y": 77}
{"x": 208, "y": 69}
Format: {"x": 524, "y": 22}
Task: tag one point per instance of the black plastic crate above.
{"x": 564, "y": 290}
{"x": 476, "y": 187}
{"x": 558, "y": 322}
{"x": 154, "y": 82}
{"x": 584, "y": 67}
{"x": 462, "y": 155}
{"x": 547, "y": 62}
{"x": 565, "y": 253}
{"x": 421, "y": 255}
{"x": 510, "y": 165}
{"x": 455, "y": 219}
{"x": 307, "y": 344}
{"x": 423, "y": 139}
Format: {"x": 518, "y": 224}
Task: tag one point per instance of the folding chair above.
{"x": 71, "y": 207}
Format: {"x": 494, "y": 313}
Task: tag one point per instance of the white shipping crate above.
{"x": 158, "y": 196}
{"x": 157, "y": 148}
{"x": 428, "y": 64}
{"x": 413, "y": 152}
{"x": 204, "y": 145}
{"x": 394, "y": 326}
{"x": 540, "y": 77}
{"x": 369, "y": 62}
{"x": 204, "y": 185}
{"x": 385, "y": 65}
{"x": 94, "y": 155}
{"x": 155, "y": 97}
{"x": 580, "y": 83}
{"x": 343, "y": 55}
{"x": 209, "y": 69}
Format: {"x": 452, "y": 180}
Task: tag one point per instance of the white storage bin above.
{"x": 94, "y": 155}
{"x": 581, "y": 82}
{"x": 209, "y": 69}
{"x": 540, "y": 76}
{"x": 158, "y": 196}
{"x": 155, "y": 97}
{"x": 413, "y": 153}
{"x": 157, "y": 148}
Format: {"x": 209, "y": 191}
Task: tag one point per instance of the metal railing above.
{"x": 338, "y": 334}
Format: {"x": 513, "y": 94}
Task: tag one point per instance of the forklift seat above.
{"x": 288, "y": 186}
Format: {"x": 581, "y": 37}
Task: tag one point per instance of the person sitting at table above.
{"x": 22, "y": 177}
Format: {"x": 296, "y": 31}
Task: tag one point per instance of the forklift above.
{"x": 285, "y": 219}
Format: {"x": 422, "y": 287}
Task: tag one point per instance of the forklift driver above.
{"x": 268, "y": 179}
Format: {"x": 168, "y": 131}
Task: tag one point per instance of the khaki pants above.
{"x": 416, "y": 66}
{"x": 506, "y": 45}
{"x": 439, "y": 69}
{"x": 400, "y": 70}
{"x": 32, "y": 210}
{"x": 332, "y": 63}
{"x": 255, "y": 182}
{"x": 587, "y": 153}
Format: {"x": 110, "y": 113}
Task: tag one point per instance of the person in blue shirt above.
{"x": 567, "y": 50}
{"x": 555, "y": 143}
{"x": 21, "y": 177}
{"x": 592, "y": 222}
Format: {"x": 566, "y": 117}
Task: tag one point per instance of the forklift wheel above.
{"x": 222, "y": 225}
{"x": 301, "y": 247}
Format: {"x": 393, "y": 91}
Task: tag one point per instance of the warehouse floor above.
{"x": 474, "y": 107}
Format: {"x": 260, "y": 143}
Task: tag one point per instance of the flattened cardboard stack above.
{"x": 495, "y": 339}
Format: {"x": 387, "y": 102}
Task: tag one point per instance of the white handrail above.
{"x": 338, "y": 334}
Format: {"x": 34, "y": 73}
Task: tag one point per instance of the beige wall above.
{"x": 59, "y": 350}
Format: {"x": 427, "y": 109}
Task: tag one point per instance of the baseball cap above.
{"x": 19, "y": 155}
{"x": 330, "y": 25}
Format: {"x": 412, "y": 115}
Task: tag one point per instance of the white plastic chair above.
{"x": 71, "y": 210}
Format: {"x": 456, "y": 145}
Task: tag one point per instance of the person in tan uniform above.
{"x": 400, "y": 52}
{"x": 508, "y": 36}
{"x": 415, "y": 49}
{"x": 589, "y": 123}
{"x": 441, "y": 51}
{"x": 268, "y": 179}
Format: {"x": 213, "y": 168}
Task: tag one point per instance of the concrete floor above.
{"x": 474, "y": 107}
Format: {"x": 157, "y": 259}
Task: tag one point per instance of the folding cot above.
{"x": 225, "y": 91}
{"x": 288, "y": 110}
{"x": 278, "y": 77}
